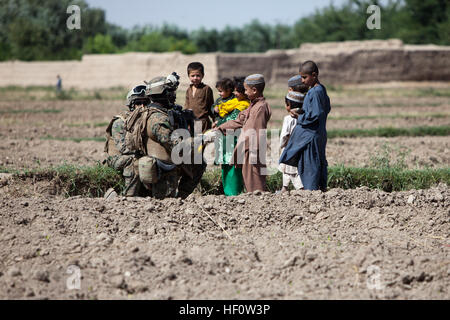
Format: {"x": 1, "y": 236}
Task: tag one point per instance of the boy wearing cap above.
{"x": 294, "y": 101}
{"x": 295, "y": 84}
{"x": 306, "y": 147}
{"x": 251, "y": 145}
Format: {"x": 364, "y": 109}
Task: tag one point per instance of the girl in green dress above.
{"x": 227, "y": 107}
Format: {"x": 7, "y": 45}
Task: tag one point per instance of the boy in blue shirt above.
{"x": 306, "y": 147}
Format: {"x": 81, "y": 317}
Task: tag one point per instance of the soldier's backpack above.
{"x": 110, "y": 147}
{"x": 139, "y": 138}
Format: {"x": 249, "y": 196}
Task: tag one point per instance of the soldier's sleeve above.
{"x": 162, "y": 130}
{"x": 118, "y": 135}
{"x": 121, "y": 160}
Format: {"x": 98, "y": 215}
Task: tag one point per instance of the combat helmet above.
{"x": 162, "y": 89}
{"x": 137, "y": 96}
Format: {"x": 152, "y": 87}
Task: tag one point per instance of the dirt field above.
{"x": 342, "y": 244}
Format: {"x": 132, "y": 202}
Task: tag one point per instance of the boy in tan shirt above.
{"x": 199, "y": 96}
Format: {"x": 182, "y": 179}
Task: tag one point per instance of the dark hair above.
{"x": 259, "y": 87}
{"x": 302, "y": 88}
{"x": 225, "y": 84}
{"x": 195, "y": 66}
{"x": 309, "y": 67}
{"x": 239, "y": 84}
{"x": 293, "y": 104}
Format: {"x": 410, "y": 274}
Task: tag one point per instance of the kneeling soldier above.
{"x": 119, "y": 156}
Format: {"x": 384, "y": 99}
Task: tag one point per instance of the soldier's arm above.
{"x": 121, "y": 160}
{"x": 118, "y": 135}
{"x": 162, "y": 131}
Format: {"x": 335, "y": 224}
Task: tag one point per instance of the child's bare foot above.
{"x": 284, "y": 189}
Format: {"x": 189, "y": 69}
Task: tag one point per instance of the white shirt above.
{"x": 289, "y": 124}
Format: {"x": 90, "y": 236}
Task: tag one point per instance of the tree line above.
{"x": 36, "y": 30}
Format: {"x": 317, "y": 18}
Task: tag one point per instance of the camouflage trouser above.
{"x": 119, "y": 162}
{"x": 190, "y": 178}
{"x": 166, "y": 186}
{"x": 126, "y": 165}
{"x": 160, "y": 183}
{"x": 133, "y": 185}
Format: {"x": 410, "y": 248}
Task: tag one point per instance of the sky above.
{"x": 193, "y": 14}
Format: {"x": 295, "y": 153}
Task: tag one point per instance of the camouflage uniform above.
{"x": 159, "y": 125}
{"x": 149, "y": 133}
{"x": 191, "y": 174}
{"x": 120, "y": 157}
{"x": 189, "y": 181}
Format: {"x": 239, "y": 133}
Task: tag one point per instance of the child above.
{"x": 232, "y": 97}
{"x": 306, "y": 147}
{"x": 199, "y": 96}
{"x": 228, "y": 106}
{"x": 252, "y": 121}
{"x": 295, "y": 83}
{"x": 293, "y": 100}
{"x": 220, "y": 108}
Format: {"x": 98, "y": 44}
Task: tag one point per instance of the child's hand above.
{"x": 216, "y": 109}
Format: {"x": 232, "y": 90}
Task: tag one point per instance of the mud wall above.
{"x": 339, "y": 62}
{"x": 346, "y": 62}
{"x": 104, "y": 70}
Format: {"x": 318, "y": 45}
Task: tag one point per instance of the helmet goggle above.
{"x": 136, "y": 95}
{"x": 139, "y": 90}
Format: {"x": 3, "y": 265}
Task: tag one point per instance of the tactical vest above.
{"x": 139, "y": 137}
{"x": 110, "y": 146}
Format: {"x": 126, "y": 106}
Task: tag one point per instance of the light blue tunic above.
{"x": 306, "y": 147}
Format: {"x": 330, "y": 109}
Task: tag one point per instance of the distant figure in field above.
{"x": 58, "y": 83}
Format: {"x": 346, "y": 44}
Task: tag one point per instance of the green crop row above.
{"x": 93, "y": 181}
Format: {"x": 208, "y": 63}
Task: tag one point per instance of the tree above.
{"x": 426, "y": 21}
{"x": 255, "y": 37}
{"x": 37, "y": 30}
{"x": 100, "y": 44}
{"x": 206, "y": 40}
